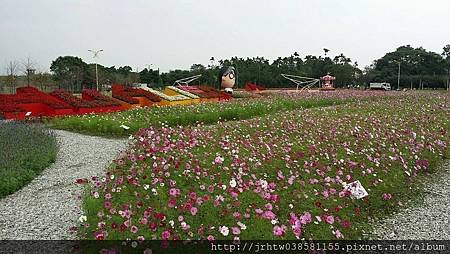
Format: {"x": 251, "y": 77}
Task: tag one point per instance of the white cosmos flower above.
{"x": 224, "y": 230}
{"x": 82, "y": 218}
{"x": 242, "y": 225}
{"x": 263, "y": 184}
{"x": 233, "y": 183}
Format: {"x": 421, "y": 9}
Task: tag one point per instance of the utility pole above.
{"x": 398, "y": 78}
{"x": 96, "y": 52}
{"x": 448, "y": 77}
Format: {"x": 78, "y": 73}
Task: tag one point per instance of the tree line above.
{"x": 418, "y": 68}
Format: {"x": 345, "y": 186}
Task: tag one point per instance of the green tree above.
{"x": 418, "y": 66}
{"x": 70, "y": 72}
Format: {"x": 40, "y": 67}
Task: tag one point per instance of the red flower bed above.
{"x": 215, "y": 93}
{"x": 124, "y": 97}
{"x": 99, "y": 99}
{"x": 7, "y": 104}
{"x": 249, "y": 86}
{"x": 10, "y": 108}
{"x": 126, "y": 94}
{"x": 72, "y": 100}
{"x": 27, "y": 89}
{"x": 118, "y": 92}
{"x": 26, "y": 95}
{"x": 59, "y": 102}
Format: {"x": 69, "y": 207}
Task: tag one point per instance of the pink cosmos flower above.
{"x": 218, "y": 160}
{"x": 297, "y": 231}
{"x": 305, "y": 218}
{"x": 144, "y": 221}
{"x": 236, "y": 230}
{"x": 194, "y": 210}
{"x": 99, "y": 236}
{"x": 153, "y": 226}
{"x": 210, "y": 238}
{"x": 108, "y": 204}
{"x": 387, "y": 196}
{"x": 172, "y": 202}
{"x": 269, "y": 215}
{"x": 329, "y": 219}
{"x": 275, "y": 198}
{"x": 279, "y": 231}
{"x": 338, "y": 234}
{"x": 134, "y": 229}
{"x": 346, "y": 224}
{"x": 291, "y": 180}
{"x": 173, "y": 192}
{"x": 165, "y": 235}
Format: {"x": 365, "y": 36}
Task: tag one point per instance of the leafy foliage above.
{"x": 417, "y": 66}
{"x": 25, "y": 151}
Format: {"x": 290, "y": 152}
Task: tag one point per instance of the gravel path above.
{"x": 48, "y": 206}
{"x": 429, "y": 220}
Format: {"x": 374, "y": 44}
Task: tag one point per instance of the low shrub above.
{"x": 26, "y": 150}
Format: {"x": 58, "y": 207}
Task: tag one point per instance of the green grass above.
{"x": 26, "y": 150}
{"x": 206, "y": 113}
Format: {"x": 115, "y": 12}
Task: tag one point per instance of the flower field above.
{"x": 279, "y": 176}
{"x": 26, "y": 150}
{"x": 206, "y": 113}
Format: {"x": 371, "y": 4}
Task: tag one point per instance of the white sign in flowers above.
{"x": 356, "y": 189}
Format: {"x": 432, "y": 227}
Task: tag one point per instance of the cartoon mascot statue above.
{"x": 227, "y": 78}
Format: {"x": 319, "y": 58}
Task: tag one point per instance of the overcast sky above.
{"x": 176, "y": 34}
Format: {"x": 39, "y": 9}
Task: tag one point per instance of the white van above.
{"x": 380, "y": 86}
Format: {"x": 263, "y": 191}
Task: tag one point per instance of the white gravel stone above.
{"x": 49, "y": 205}
{"x": 429, "y": 220}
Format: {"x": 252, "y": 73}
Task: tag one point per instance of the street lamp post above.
{"x": 96, "y": 52}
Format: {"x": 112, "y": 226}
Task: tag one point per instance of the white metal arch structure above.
{"x": 186, "y": 81}
{"x": 304, "y": 82}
